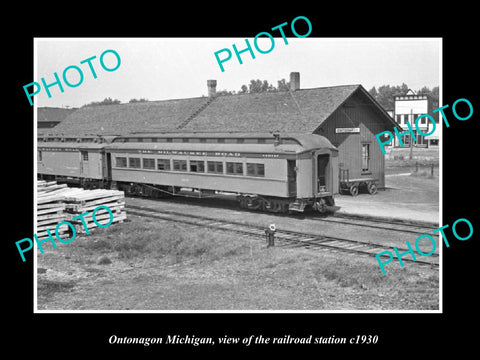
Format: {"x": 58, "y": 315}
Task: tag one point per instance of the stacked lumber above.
{"x": 78, "y": 203}
{"x": 58, "y": 202}
{"x": 50, "y": 208}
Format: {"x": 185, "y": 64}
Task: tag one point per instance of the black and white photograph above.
{"x": 296, "y": 181}
{"x": 260, "y": 188}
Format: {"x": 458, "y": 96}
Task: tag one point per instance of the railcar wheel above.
{"x": 354, "y": 190}
{"x": 372, "y": 188}
{"x": 321, "y": 206}
{"x": 275, "y": 206}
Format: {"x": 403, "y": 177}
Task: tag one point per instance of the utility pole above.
{"x": 411, "y": 137}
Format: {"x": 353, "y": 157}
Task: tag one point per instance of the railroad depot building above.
{"x": 347, "y": 115}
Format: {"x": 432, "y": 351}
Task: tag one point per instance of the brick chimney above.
{"x": 212, "y": 87}
{"x": 294, "y": 81}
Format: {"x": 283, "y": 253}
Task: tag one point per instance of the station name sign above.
{"x": 347, "y": 130}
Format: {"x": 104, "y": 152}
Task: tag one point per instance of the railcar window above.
{"x": 234, "y": 168}
{"x": 220, "y": 141}
{"x": 215, "y": 167}
{"x": 39, "y": 155}
{"x": 149, "y": 163}
{"x": 84, "y": 155}
{"x": 134, "y": 163}
{"x": 163, "y": 164}
{"x": 197, "y": 166}
{"x": 255, "y": 169}
{"x": 180, "y": 165}
{"x": 121, "y": 162}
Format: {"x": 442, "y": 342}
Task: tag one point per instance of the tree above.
{"x": 259, "y": 86}
{"x": 385, "y": 95}
{"x": 106, "y": 101}
{"x": 256, "y": 86}
{"x": 433, "y": 95}
{"x": 283, "y": 85}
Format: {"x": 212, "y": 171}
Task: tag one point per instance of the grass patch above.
{"x": 47, "y": 288}
{"x": 348, "y": 273}
{"x": 144, "y": 238}
{"x": 423, "y": 173}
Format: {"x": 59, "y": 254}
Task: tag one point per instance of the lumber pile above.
{"x": 58, "y": 202}
{"x": 50, "y": 208}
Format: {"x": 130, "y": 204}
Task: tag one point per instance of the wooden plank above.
{"x": 94, "y": 203}
{"x": 60, "y": 207}
{"x": 51, "y": 222}
{"x": 57, "y": 215}
{"x": 50, "y": 205}
{"x": 79, "y": 209}
{"x": 51, "y": 188}
{"x": 92, "y": 194}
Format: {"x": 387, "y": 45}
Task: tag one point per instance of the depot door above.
{"x": 322, "y": 162}
{"x": 291, "y": 178}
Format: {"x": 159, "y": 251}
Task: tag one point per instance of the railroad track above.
{"x": 378, "y": 223}
{"x": 346, "y": 219}
{"x": 283, "y": 237}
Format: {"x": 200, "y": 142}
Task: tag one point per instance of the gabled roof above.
{"x": 300, "y": 111}
{"x": 126, "y": 118}
{"x": 51, "y": 114}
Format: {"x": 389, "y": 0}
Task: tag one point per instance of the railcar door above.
{"x": 109, "y": 166}
{"x": 291, "y": 178}
{"x": 322, "y": 163}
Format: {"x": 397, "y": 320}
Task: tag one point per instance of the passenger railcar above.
{"x": 79, "y": 160}
{"x": 268, "y": 172}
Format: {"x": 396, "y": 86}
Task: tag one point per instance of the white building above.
{"x": 407, "y": 108}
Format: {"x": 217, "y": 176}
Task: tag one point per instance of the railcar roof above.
{"x": 70, "y": 145}
{"x": 300, "y": 143}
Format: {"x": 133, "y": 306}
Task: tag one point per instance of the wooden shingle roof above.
{"x": 126, "y": 118}
{"x": 300, "y": 111}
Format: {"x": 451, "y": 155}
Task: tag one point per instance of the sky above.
{"x": 174, "y": 68}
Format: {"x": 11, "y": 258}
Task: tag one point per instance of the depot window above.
{"x": 149, "y": 164}
{"x": 163, "y": 164}
{"x": 84, "y": 155}
{"x": 134, "y": 163}
{"x": 234, "y": 168}
{"x": 121, "y": 162}
{"x": 197, "y": 166}
{"x": 255, "y": 169}
{"x": 215, "y": 167}
{"x": 365, "y": 156}
{"x": 180, "y": 165}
